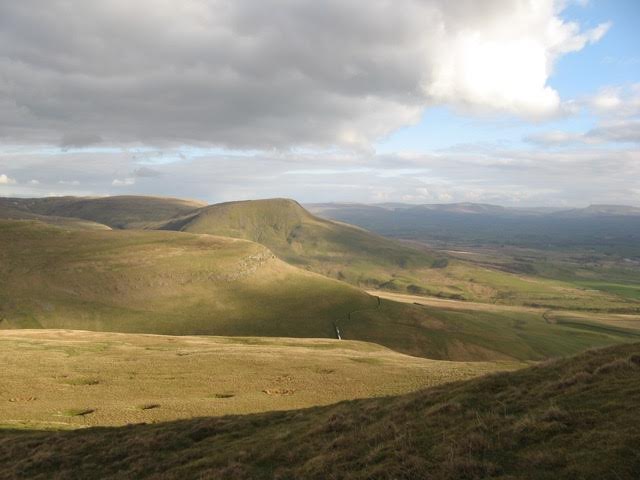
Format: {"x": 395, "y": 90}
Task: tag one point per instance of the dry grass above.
{"x": 515, "y": 425}
{"x": 127, "y": 378}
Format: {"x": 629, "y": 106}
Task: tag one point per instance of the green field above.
{"x": 88, "y": 378}
{"x": 574, "y": 418}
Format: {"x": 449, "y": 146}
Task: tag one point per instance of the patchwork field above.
{"x": 79, "y": 379}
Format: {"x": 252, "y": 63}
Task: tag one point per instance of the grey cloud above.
{"x": 628, "y": 131}
{"x": 266, "y": 74}
{"x": 146, "y": 172}
{"x": 575, "y": 176}
{"x": 77, "y": 140}
{"x": 622, "y": 131}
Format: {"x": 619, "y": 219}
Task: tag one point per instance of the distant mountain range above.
{"x": 482, "y": 209}
{"x": 603, "y": 226}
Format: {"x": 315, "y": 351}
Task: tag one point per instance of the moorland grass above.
{"x": 568, "y": 419}
{"x": 136, "y": 378}
{"x": 185, "y": 284}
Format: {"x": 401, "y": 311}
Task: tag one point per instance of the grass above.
{"x": 183, "y": 284}
{"x": 572, "y": 418}
{"x": 356, "y": 256}
{"x": 134, "y": 378}
{"x": 367, "y": 260}
{"x": 117, "y": 212}
{"x": 458, "y": 331}
{"x": 160, "y": 282}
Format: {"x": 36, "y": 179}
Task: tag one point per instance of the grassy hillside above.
{"x": 362, "y": 258}
{"x": 448, "y": 332}
{"x": 116, "y": 212}
{"x": 349, "y": 253}
{"x": 298, "y": 237}
{"x": 574, "y": 418}
{"x": 161, "y": 282}
{"x": 9, "y": 213}
{"x": 70, "y": 379}
{"x": 183, "y": 284}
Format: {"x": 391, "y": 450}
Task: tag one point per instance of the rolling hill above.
{"x": 368, "y": 260}
{"x": 161, "y": 282}
{"x": 299, "y": 237}
{"x": 604, "y": 227}
{"x": 115, "y": 212}
{"x": 342, "y": 251}
{"x": 10, "y": 213}
{"x": 573, "y": 418}
{"x": 178, "y": 283}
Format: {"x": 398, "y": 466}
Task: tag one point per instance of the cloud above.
{"x": 78, "y": 140}
{"x": 619, "y": 101}
{"x": 620, "y": 131}
{"x": 125, "y": 182}
{"x": 5, "y": 180}
{"x": 146, "y": 172}
{"x": 269, "y": 74}
{"x": 575, "y": 175}
{"x": 617, "y": 113}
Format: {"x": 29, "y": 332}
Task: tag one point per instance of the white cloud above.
{"x": 575, "y": 175}
{"x": 270, "y": 74}
{"x": 125, "y": 182}
{"x": 5, "y": 180}
{"x": 620, "y": 101}
{"x": 617, "y": 111}
{"x": 33, "y": 182}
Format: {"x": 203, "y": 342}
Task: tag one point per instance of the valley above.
{"x": 141, "y": 318}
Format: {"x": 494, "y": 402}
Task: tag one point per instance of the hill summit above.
{"x": 299, "y": 237}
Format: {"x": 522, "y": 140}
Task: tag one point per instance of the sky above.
{"x": 509, "y": 102}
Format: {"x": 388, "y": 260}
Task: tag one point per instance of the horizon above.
{"x": 534, "y": 104}
{"x": 511, "y": 207}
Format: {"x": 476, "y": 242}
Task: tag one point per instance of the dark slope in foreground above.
{"x": 574, "y": 418}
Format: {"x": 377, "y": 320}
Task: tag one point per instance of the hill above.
{"x": 118, "y": 378}
{"x": 346, "y": 252}
{"x": 295, "y": 235}
{"x": 368, "y": 260}
{"x": 116, "y": 212}
{"x": 573, "y": 418}
{"x": 183, "y": 284}
{"x": 161, "y": 282}
{"x": 604, "y": 227}
{"x": 9, "y": 213}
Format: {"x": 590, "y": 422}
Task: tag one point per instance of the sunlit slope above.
{"x": 116, "y": 212}
{"x": 161, "y": 282}
{"x": 368, "y": 260}
{"x": 185, "y": 284}
{"x": 575, "y": 418}
{"x": 63, "y": 378}
{"x": 298, "y": 237}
